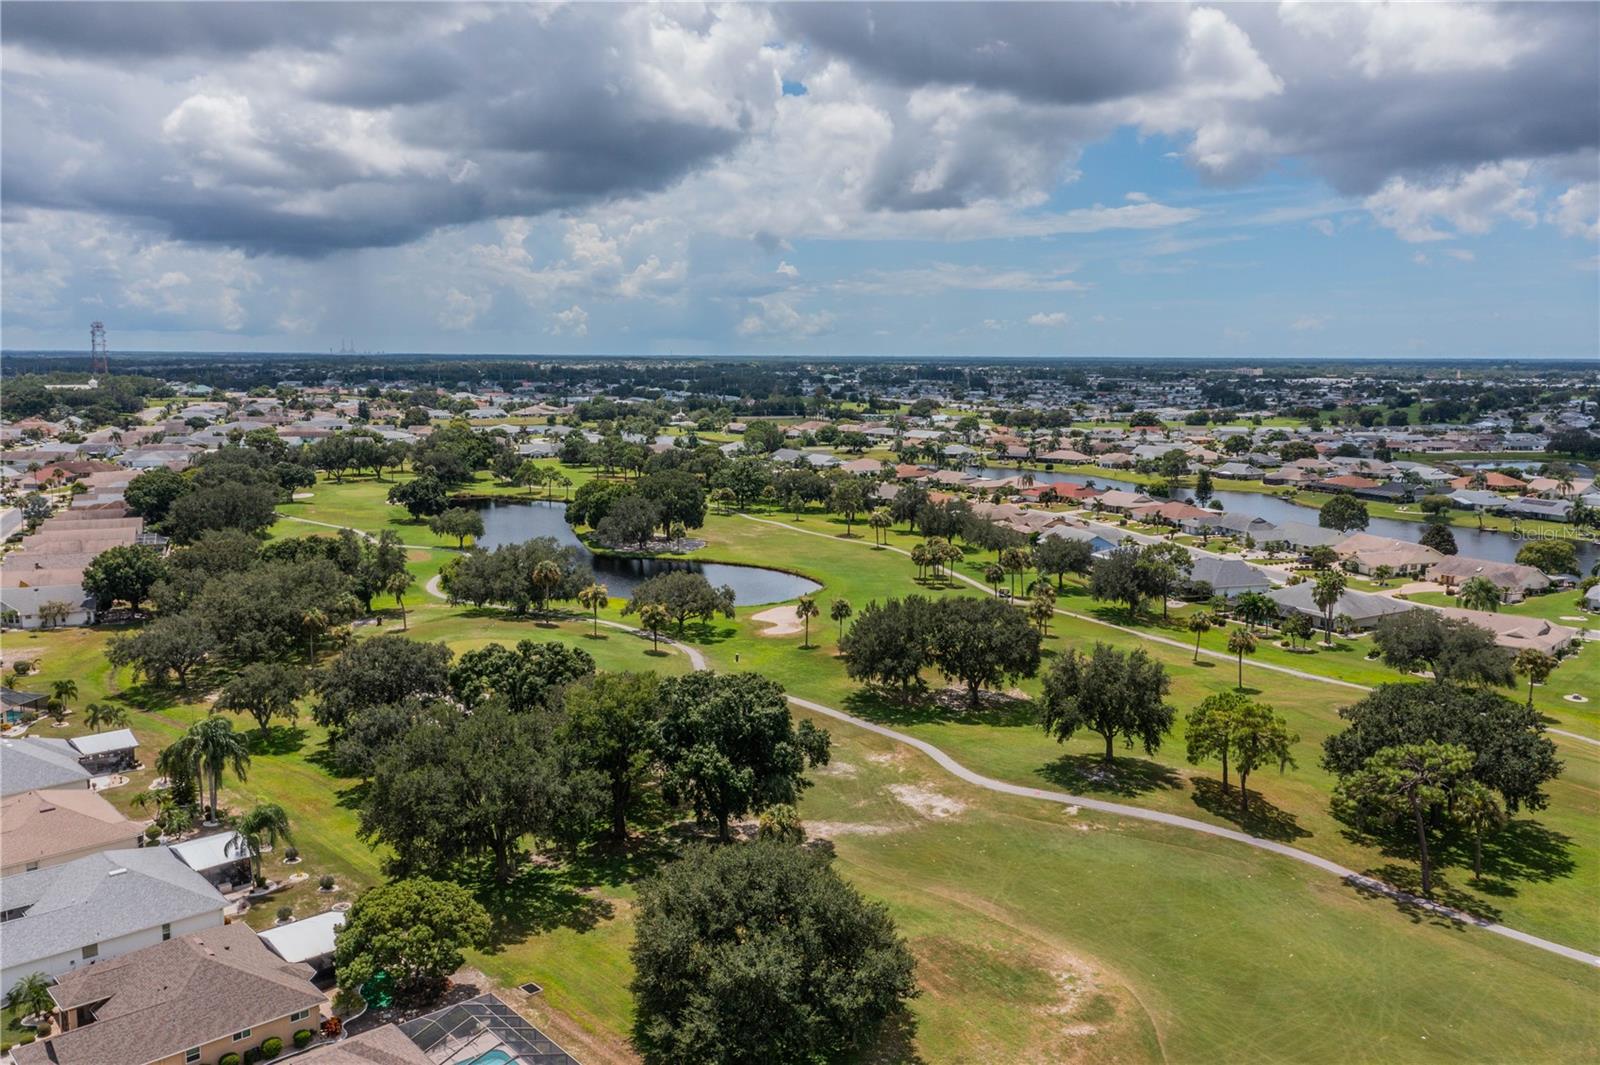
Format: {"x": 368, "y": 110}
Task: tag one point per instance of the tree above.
{"x": 1058, "y": 555}
{"x": 1041, "y": 608}
{"x": 654, "y": 617}
{"x": 105, "y": 715}
{"x": 840, "y": 610}
{"x": 1202, "y": 487}
{"x": 460, "y": 786}
{"x": 264, "y": 690}
{"x": 174, "y": 644}
{"x": 459, "y": 522}
{"x": 806, "y": 609}
{"x": 1535, "y": 665}
{"x": 247, "y": 506}
{"x": 1259, "y": 737}
{"x": 891, "y": 643}
{"x": 1015, "y": 561}
{"x": 525, "y": 677}
{"x": 125, "y": 572}
{"x": 397, "y": 585}
{"x": 151, "y": 494}
{"x": 1345, "y": 513}
{"x": 1452, "y": 648}
{"x": 762, "y": 953}
{"x": 685, "y": 595}
{"x": 848, "y": 498}
{"x": 1512, "y": 754}
{"x": 595, "y": 598}
{"x": 214, "y": 747}
{"x": 1117, "y": 577}
{"x": 881, "y": 522}
{"x": 1409, "y": 780}
{"x": 422, "y": 496}
{"x": 1552, "y": 556}
{"x": 1209, "y": 728}
{"x": 729, "y": 746}
{"x": 413, "y": 931}
{"x": 63, "y": 692}
{"x": 1241, "y": 642}
{"x": 1110, "y": 692}
{"x": 382, "y": 670}
{"x": 1200, "y": 623}
{"x": 1479, "y": 593}
{"x": 1474, "y": 806}
{"x": 1298, "y": 627}
{"x": 630, "y": 521}
{"x": 263, "y": 826}
{"x": 1439, "y": 537}
{"x": 611, "y": 721}
{"x": 1326, "y": 591}
{"x": 54, "y": 612}
{"x": 544, "y": 579}
{"x": 1254, "y": 608}
{"x": 30, "y": 996}
{"x": 982, "y": 643}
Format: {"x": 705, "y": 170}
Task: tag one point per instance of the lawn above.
{"x": 1042, "y": 933}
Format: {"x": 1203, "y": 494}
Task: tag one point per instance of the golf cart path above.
{"x": 1153, "y": 637}
{"x": 697, "y": 659}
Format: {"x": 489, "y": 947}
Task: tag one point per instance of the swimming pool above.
{"x": 490, "y": 1057}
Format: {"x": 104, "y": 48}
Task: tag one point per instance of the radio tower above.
{"x": 97, "y": 349}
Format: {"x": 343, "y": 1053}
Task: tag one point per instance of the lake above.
{"x": 512, "y": 523}
{"x": 1488, "y": 544}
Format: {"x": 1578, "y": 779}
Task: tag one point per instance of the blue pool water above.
{"x": 492, "y": 1057}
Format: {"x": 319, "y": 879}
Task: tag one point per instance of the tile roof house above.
{"x": 60, "y": 919}
{"x": 1516, "y": 633}
{"x": 39, "y": 829}
{"x": 193, "y": 998}
{"x": 1513, "y": 579}
{"x": 1367, "y": 552}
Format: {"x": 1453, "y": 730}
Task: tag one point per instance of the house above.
{"x": 387, "y": 1045}
{"x": 863, "y": 467}
{"x": 1228, "y": 577}
{"x": 32, "y": 764}
{"x": 1591, "y": 598}
{"x": 193, "y": 999}
{"x": 39, "y": 829}
{"x": 1515, "y": 581}
{"x": 222, "y": 858}
{"x": 17, "y": 705}
{"x": 1228, "y": 523}
{"x": 1363, "y": 609}
{"x": 106, "y": 752}
{"x": 1494, "y": 482}
{"x": 1367, "y": 552}
{"x": 1476, "y": 499}
{"x": 1517, "y": 633}
{"x": 1302, "y": 536}
{"x": 1539, "y": 509}
{"x": 63, "y": 918}
{"x": 1118, "y": 501}
{"x": 1098, "y": 542}
{"x": 1239, "y": 471}
{"x": 308, "y": 941}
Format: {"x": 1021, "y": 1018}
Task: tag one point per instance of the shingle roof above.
{"x": 159, "y": 1001}
{"x": 33, "y": 765}
{"x": 38, "y": 824}
{"x": 380, "y": 1046}
{"x": 89, "y": 901}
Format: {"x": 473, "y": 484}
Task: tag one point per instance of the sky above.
{"x": 861, "y": 179}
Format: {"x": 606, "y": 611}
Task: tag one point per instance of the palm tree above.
{"x": 1535, "y": 665}
{"x": 314, "y": 622}
{"x": 63, "y": 692}
{"x": 1381, "y": 574}
{"x": 994, "y": 573}
{"x": 840, "y": 610}
{"x": 1200, "y": 623}
{"x": 1326, "y": 593}
{"x": 1479, "y": 593}
{"x": 217, "y": 748}
{"x": 805, "y": 610}
{"x": 30, "y": 996}
{"x": 106, "y": 715}
{"x": 655, "y": 617}
{"x": 595, "y": 598}
{"x": 397, "y": 585}
{"x": 919, "y": 558}
{"x": 263, "y": 826}
{"x": 1015, "y": 560}
{"x": 1042, "y": 610}
{"x": 880, "y": 521}
{"x": 1242, "y": 642}
{"x": 545, "y": 577}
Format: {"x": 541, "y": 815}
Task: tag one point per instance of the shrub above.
{"x": 252, "y": 1056}
{"x": 271, "y": 1047}
{"x": 302, "y": 1038}
{"x": 330, "y": 1028}
{"x": 230, "y": 1058}
{"x": 152, "y": 832}
{"x": 326, "y": 882}
{"x": 285, "y": 912}
{"x": 290, "y": 854}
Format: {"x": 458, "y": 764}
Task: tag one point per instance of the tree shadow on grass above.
{"x": 1125, "y": 777}
{"x": 1264, "y": 819}
{"x": 544, "y": 895}
{"x": 277, "y": 740}
{"x": 1408, "y": 878}
{"x": 895, "y": 1043}
{"x": 921, "y": 707}
{"x": 1524, "y": 850}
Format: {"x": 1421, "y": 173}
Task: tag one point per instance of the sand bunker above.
{"x": 927, "y": 802}
{"x": 779, "y": 621}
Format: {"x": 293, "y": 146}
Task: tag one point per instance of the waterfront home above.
{"x": 1477, "y": 499}
{"x": 1366, "y": 552}
{"x": 1118, "y": 501}
{"x": 1515, "y": 581}
{"x": 1529, "y": 507}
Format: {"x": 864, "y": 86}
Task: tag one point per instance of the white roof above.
{"x": 208, "y": 852}
{"x": 305, "y": 939}
{"x": 101, "y": 742}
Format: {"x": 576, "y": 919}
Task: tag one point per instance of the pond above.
{"x": 512, "y": 523}
{"x": 1487, "y": 544}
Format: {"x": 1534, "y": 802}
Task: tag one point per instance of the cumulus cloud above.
{"x": 788, "y": 270}
{"x": 1049, "y": 319}
{"x": 1577, "y": 211}
{"x": 1310, "y": 322}
{"x": 1470, "y": 203}
{"x": 574, "y": 321}
{"x": 772, "y": 316}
